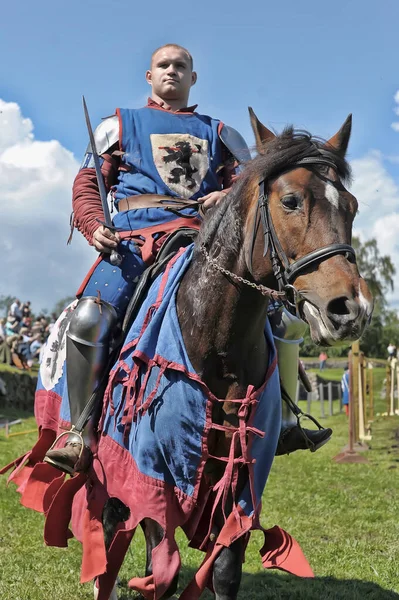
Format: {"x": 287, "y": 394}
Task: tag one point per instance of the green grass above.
{"x": 346, "y": 518}
{"x": 33, "y": 371}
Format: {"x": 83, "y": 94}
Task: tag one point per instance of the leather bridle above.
{"x": 284, "y": 271}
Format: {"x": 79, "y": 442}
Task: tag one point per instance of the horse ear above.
{"x": 263, "y": 135}
{"x": 340, "y": 140}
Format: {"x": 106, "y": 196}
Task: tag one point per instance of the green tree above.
{"x": 378, "y": 271}
{"x": 61, "y": 304}
{"x": 5, "y": 303}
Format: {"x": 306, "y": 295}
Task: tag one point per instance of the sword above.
{"x": 116, "y": 258}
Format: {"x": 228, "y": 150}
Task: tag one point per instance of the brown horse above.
{"x": 283, "y": 231}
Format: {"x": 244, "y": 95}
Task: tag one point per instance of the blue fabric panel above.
{"x": 143, "y": 176}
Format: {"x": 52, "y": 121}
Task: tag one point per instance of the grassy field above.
{"x": 344, "y": 516}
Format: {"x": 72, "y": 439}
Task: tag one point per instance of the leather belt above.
{"x": 156, "y": 201}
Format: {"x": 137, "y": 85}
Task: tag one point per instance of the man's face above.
{"x": 171, "y": 76}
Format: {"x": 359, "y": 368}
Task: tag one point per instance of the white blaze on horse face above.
{"x": 365, "y": 304}
{"x": 332, "y": 194}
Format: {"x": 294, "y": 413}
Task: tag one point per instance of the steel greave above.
{"x": 288, "y": 331}
{"x": 87, "y": 351}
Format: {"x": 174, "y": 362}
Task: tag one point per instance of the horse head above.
{"x": 303, "y": 223}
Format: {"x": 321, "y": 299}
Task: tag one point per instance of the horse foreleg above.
{"x": 227, "y": 571}
{"x": 153, "y": 534}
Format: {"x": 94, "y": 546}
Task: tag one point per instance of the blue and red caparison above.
{"x": 151, "y": 451}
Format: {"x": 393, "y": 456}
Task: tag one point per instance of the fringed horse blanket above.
{"x": 151, "y": 452}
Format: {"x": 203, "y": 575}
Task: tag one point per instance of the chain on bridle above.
{"x": 284, "y": 271}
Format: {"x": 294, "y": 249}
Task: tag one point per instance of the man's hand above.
{"x": 211, "y": 199}
{"x": 104, "y": 240}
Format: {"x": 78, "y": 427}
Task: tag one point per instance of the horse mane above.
{"x": 279, "y": 155}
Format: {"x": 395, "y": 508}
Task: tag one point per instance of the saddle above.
{"x": 181, "y": 238}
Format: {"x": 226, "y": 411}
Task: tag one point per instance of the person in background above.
{"x": 26, "y": 312}
{"x": 2, "y": 328}
{"x": 322, "y": 360}
{"x": 345, "y": 389}
{"x": 15, "y": 310}
{"x": 391, "y": 351}
{"x": 12, "y": 326}
{"x": 35, "y": 348}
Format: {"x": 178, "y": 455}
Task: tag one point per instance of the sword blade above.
{"x": 96, "y": 158}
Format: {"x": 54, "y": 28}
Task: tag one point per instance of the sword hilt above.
{"x": 115, "y": 258}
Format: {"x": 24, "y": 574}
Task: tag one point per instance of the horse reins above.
{"x": 284, "y": 271}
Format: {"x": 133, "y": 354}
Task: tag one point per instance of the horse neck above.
{"x": 223, "y": 322}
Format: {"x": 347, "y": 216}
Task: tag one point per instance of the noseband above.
{"x": 284, "y": 271}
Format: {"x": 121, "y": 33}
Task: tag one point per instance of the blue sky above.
{"x": 307, "y": 63}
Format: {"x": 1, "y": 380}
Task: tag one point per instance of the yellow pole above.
{"x": 355, "y": 389}
{"x": 361, "y": 399}
{"x": 392, "y": 399}
{"x": 371, "y": 391}
{"x": 21, "y": 432}
{"x": 388, "y": 387}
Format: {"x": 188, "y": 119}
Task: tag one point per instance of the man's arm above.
{"x": 86, "y": 201}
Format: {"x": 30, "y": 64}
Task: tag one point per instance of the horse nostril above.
{"x": 338, "y": 306}
{"x": 342, "y": 309}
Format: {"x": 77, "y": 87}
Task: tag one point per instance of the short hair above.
{"x": 174, "y": 46}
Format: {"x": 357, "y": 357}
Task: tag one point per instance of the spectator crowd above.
{"x": 22, "y": 336}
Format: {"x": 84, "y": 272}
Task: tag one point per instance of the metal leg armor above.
{"x": 288, "y": 331}
{"x": 87, "y": 352}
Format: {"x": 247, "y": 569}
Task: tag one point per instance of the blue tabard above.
{"x": 167, "y": 153}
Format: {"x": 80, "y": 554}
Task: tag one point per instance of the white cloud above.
{"x": 36, "y": 182}
{"x": 395, "y": 124}
{"x": 378, "y": 197}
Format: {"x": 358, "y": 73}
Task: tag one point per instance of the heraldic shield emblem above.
{"x": 181, "y": 160}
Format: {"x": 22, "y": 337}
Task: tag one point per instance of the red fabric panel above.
{"x": 56, "y": 532}
{"x": 94, "y": 559}
{"x": 41, "y": 476}
{"x": 47, "y": 409}
{"x": 282, "y": 551}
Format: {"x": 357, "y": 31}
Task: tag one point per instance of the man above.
{"x": 15, "y": 310}
{"x": 345, "y": 389}
{"x": 164, "y": 150}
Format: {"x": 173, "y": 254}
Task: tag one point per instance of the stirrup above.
{"x": 53, "y": 445}
{"x": 311, "y": 446}
{"x": 298, "y": 412}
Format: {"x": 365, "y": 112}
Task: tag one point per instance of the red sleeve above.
{"x": 86, "y": 201}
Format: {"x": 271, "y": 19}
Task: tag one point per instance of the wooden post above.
{"x": 330, "y": 398}
{"x": 388, "y": 386}
{"x": 397, "y": 383}
{"x": 321, "y": 397}
{"x": 392, "y": 393}
{"x": 348, "y": 454}
{"x": 309, "y": 396}
{"x": 354, "y": 397}
{"x": 371, "y": 388}
{"x": 361, "y": 401}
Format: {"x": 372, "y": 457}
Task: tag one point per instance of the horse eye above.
{"x": 291, "y": 202}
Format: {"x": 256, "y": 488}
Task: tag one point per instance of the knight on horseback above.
{"x": 164, "y": 165}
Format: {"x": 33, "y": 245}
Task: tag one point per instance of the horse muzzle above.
{"x": 337, "y": 321}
